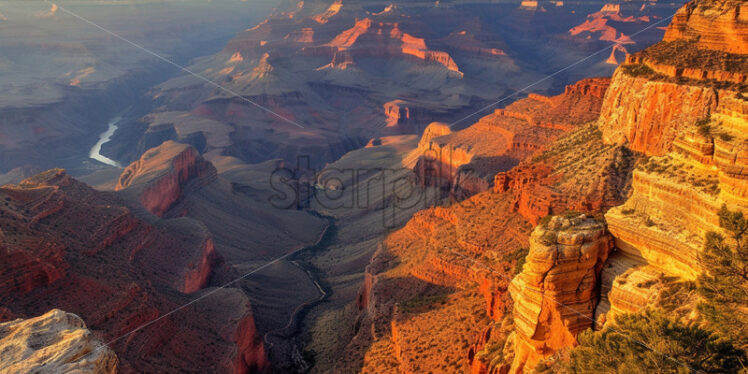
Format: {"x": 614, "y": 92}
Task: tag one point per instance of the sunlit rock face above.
{"x": 647, "y": 115}
{"x": 162, "y": 173}
{"x": 55, "y": 342}
{"x": 466, "y": 161}
{"x": 556, "y": 293}
{"x": 680, "y": 103}
{"x": 694, "y": 73}
{"x": 714, "y": 25}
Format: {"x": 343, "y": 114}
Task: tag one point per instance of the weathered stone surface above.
{"x": 556, "y": 292}
{"x": 715, "y": 25}
{"x": 66, "y": 245}
{"x": 578, "y": 173}
{"x": 648, "y": 115}
{"x": 627, "y": 285}
{"x": 56, "y": 342}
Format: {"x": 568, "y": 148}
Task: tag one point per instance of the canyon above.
{"x": 320, "y": 79}
{"x": 350, "y": 186}
{"x": 64, "y": 78}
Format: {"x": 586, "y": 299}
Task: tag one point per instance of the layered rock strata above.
{"x": 556, "y": 293}
{"x": 60, "y": 237}
{"x": 161, "y": 174}
{"x": 466, "y": 161}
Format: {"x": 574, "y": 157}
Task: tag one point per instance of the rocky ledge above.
{"x": 56, "y": 342}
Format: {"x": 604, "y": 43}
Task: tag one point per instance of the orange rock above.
{"x": 716, "y": 25}
{"x": 556, "y": 292}
{"x": 464, "y": 162}
{"x": 87, "y": 252}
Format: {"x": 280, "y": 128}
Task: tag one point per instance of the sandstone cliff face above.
{"x": 716, "y": 25}
{"x": 56, "y": 342}
{"x": 648, "y": 115}
{"x": 465, "y": 161}
{"x": 578, "y": 173}
{"x": 385, "y": 39}
{"x": 441, "y": 268}
{"x": 161, "y": 174}
{"x": 556, "y": 292}
{"x": 695, "y": 134}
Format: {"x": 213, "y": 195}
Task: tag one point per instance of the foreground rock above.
{"x": 56, "y": 342}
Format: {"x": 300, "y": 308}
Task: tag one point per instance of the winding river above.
{"x": 95, "y": 152}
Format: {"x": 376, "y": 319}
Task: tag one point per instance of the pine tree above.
{"x": 652, "y": 342}
{"x": 724, "y": 283}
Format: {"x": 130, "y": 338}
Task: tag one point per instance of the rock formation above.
{"x": 160, "y": 176}
{"x": 714, "y": 25}
{"x": 556, "y": 293}
{"x": 650, "y": 119}
{"x": 666, "y": 152}
{"x": 690, "y": 117}
{"x": 466, "y": 161}
{"x": 60, "y": 236}
{"x": 55, "y": 342}
{"x": 578, "y": 172}
{"x": 359, "y": 73}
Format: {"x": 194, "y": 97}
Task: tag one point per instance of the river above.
{"x": 95, "y": 152}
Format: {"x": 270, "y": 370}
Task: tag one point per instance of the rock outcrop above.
{"x": 714, "y": 25}
{"x": 161, "y": 174}
{"x": 465, "y": 161}
{"x": 692, "y": 123}
{"x": 648, "y": 115}
{"x": 369, "y": 38}
{"x": 55, "y": 342}
{"x": 556, "y": 293}
{"x": 578, "y": 172}
{"x": 658, "y": 94}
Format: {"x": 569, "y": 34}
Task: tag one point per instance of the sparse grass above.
{"x": 686, "y": 54}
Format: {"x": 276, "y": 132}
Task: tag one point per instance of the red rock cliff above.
{"x": 162, "y": 173}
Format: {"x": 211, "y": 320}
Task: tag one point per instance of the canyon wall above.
{"x": 464, "y": 162}
{"x": 61, "y": 237}
{"x": 693, "y": 128}
{"x": 715, "y": 25}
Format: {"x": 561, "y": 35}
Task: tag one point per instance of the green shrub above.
{"x": 652, "y": 342}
